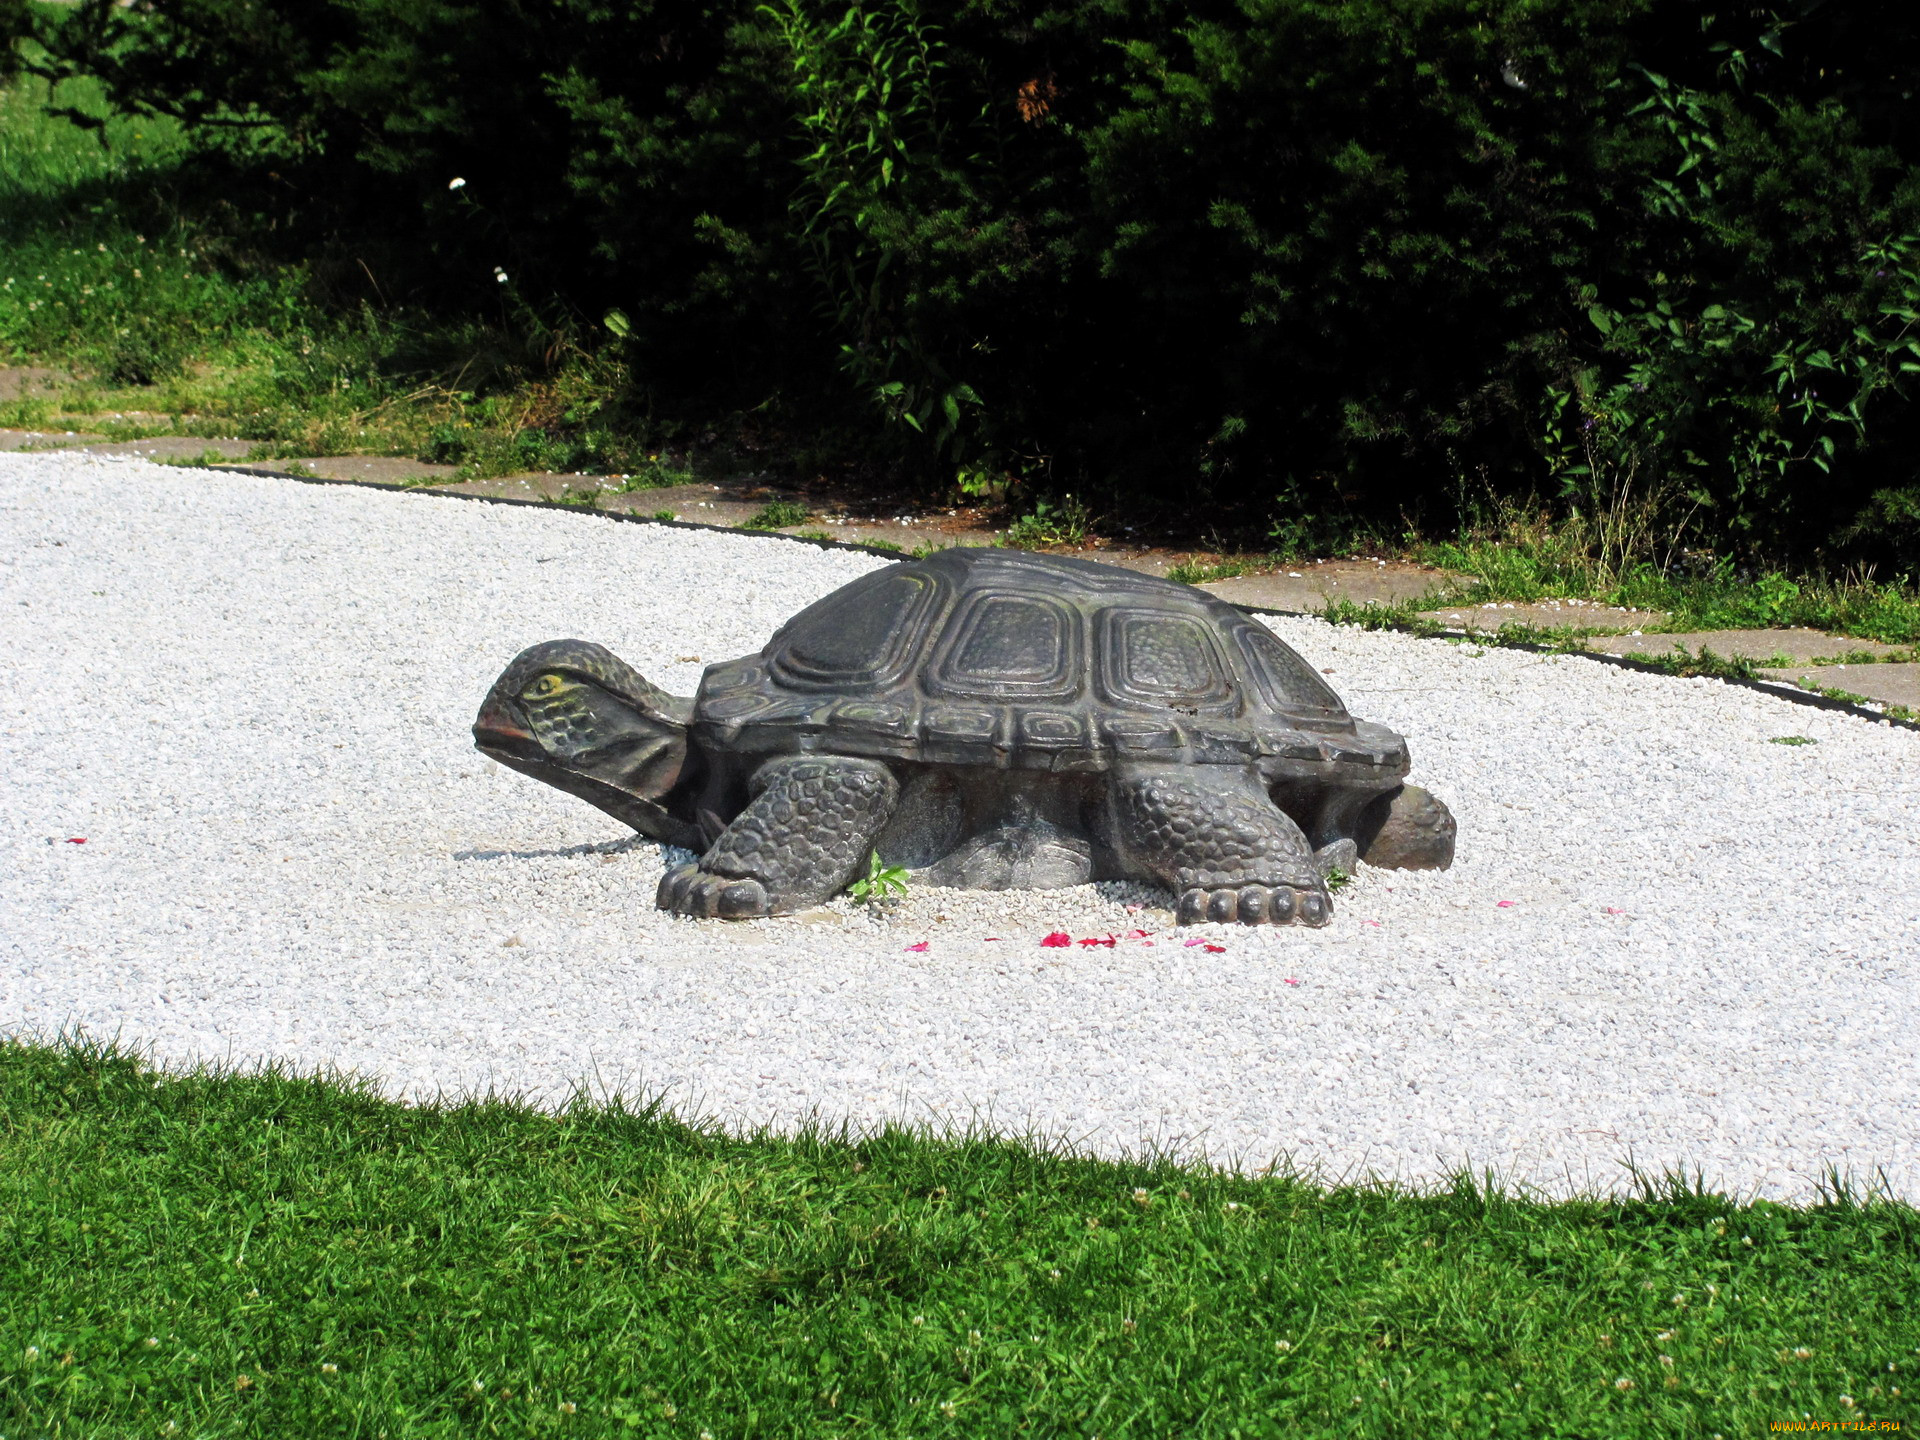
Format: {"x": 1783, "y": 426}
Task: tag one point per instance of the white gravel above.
{"x": 1667, "y": 942}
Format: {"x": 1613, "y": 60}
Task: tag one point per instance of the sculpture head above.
{"x": 573, "y": 714}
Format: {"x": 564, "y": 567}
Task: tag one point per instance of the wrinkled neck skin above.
{"x": 636, "y": 766}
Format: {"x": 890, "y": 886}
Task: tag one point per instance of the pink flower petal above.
{"x": 1290, "y": 981}
{"x": 993, "y": 939}
{"x": 1192, "y": 943}
{"x": 1057, "y": 939}
{"x": 1612, "y": 911}
{"x": 1374, "y": 923}
{"x": 921, "y": 946}
{"x": 1096, "y": 940}
{"x": 1134, "y": 935}
{"x": 76, "y": 840}
{"x": 1216, "y": 949}
{"x": 1503, "y": 905}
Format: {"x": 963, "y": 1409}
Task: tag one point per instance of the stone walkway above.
{"x": 1803, "y": 659}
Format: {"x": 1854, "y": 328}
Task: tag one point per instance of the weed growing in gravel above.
{"x": 1065, "y": 523}
{"x": 1793, "y": 740}
{"x": 777, "y": 515}
{"x": 881, "y": 882}
{"x": 269, "y": 1256}
{"x": 1199, "y": 572}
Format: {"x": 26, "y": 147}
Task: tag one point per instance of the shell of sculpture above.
{"x": 995, "y": 658}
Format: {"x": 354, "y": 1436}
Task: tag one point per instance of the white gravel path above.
{"x": 1667, "y": 941}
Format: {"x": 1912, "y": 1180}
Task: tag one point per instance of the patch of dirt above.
{"x": 31, "y": 382}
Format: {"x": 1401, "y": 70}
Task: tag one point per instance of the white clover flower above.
{"x": 456, "y": 183}
{"x": 499, "y": 274}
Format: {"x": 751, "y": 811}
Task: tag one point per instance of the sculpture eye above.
{"x": 546, "y": 686}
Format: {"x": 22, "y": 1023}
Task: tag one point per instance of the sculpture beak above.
{"x": 494, "y": 729}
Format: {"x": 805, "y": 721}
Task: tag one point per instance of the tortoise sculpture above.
{"x": 987, "y": 719}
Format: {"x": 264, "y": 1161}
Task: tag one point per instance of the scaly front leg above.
{"x": 801, "y": 838}
{"x": 1213, "y": 835}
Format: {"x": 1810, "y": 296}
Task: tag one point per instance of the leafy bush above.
{"x": 1312, "y": 266}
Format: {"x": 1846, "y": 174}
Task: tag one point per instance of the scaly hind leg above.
{"x": 1212, "y": 834}
{"x": 800, "y": 839}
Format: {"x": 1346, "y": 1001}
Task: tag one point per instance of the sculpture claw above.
{"x": 1255, "y": 905}
{"x": 692, "y": 891}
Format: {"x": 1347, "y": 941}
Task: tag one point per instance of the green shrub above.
{"x": 1303, "y": 266}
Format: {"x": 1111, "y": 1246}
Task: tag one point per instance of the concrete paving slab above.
{"x": 170, "y": 447}
{"x": 377, "y": 469}
{"x": 1794, "y": 645}
{"x": 1546, "y": 615}
{"x": 1312, "y": 585}
{"x": 1890, "y": 684}
{"x": 705, "y": 504}
{"x": 44, "y": 439}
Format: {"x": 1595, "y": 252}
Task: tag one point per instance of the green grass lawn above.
{"x": 233, "y": 1255}
{"x": 124, "y": 266}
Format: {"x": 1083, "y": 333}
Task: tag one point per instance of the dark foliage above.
{"x": 1279, "y": 259}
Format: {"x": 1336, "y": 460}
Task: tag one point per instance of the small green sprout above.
{"x": 1793, "y": 740}
{"x": 665, "y": 515}
{"x": 881, "y": 882}
{"x": 1337, "y": 880}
